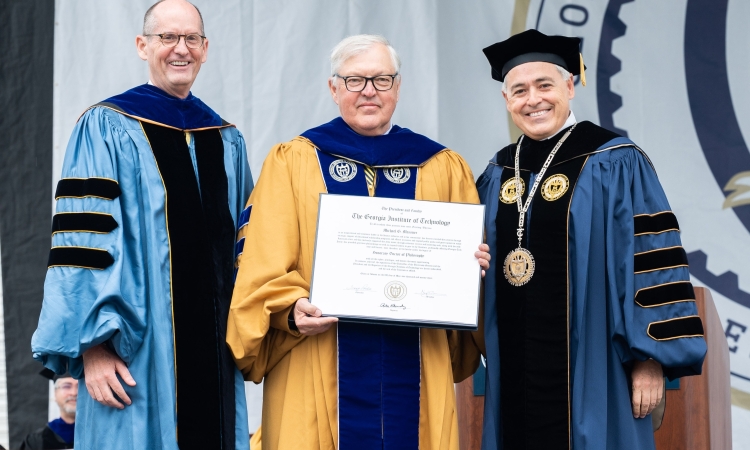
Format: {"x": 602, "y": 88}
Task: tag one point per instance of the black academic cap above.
{"x": 50, "y": 375}
{"x": 531, "y": 46}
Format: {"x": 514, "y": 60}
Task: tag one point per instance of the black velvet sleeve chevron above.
{"x": 655, "y": 223}
{"x": 680, "y": 327}
{"x": 82, "y": 257}
{"x": 87, "y": 187}
{"x": 663, "y": 258}
{"x": 664, "y": 294}
{"x": 84, "y": 222}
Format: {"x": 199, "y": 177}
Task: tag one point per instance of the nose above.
{"x": 369, "y": 90}
{"x": 181, "y": 47}
{"x": 533, "y": 98}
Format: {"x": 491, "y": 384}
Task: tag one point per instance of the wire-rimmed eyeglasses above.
{"x": 357, "y": 84}
{"x": 171, "y": 39}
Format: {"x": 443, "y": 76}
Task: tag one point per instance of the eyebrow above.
{"x": 538, "y": 80}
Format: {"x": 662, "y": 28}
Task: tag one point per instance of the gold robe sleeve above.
{"x": 268, "y": 281}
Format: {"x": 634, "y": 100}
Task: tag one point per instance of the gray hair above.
{"x": 355, "y": 45}
{"x": 149, "y": 21}
{"x": 564, "y": 73}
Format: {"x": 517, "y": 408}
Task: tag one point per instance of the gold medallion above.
{"x": 555, "y": 187}
{"x": 519, "y": 266}
{"x": 508, "y": 193}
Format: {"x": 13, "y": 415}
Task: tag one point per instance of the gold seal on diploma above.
{"x": 508, "y": 192}
{"x": 555, "y": 187}
{"x": 395, "y": 290}
{"x": 519, "y": 267}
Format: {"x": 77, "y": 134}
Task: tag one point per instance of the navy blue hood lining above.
{"x": 399, "y": 148}
{"x": 150, "y": 103}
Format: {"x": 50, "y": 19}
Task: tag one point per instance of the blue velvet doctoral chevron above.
{"x": 400, "y": 147}
{"x": 151, "y": 103}
{"x": 379, "y": 369}
{"x": 239, "y": 246}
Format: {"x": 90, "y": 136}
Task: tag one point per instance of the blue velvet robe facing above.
{"x": 125, "y": 297}
{"x": 608, "y": 329}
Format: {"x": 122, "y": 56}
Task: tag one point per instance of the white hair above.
{"x": 358, "y": 44}
{"x": 564, "y": 73}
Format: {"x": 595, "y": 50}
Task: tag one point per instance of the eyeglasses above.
{"x": 358, "y": 84}
{"x": 171, "y": 39}
{"x": 66, "y": 386}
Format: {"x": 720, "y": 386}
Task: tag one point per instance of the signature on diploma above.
{"x": 430, "y": 294}
{"x": 393, "y": 306}
{"x": 358, "y": 289}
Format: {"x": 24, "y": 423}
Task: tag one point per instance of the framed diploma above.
{"x": 395, "y": 261}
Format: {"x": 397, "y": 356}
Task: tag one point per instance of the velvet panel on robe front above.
{"x": 378, "y": 365}
{"x": 607, "y": 329}
{"x": 128, "y": 304}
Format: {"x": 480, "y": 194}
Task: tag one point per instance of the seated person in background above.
{"x": 57, "y": 434}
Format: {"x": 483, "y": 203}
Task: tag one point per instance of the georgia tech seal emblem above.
{"x": 395, "y": 290}
{"x": 508, "y": 193}
{"x": 519, "y": 267}
{"x": 342, "y": 170}
{"x": 397, "y": 175}
{"x": 555, "y": 187}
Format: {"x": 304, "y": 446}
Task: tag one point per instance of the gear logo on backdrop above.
{"x": 705, "y": 34}
{"x": 720, "y": 137}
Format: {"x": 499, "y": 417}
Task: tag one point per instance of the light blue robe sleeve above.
{"x": 239, "y": 178}
{"x": 85, "y": 307}
{"x": 634, "y": 191}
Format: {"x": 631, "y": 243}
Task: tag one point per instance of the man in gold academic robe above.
{"x": 329, "y": 384}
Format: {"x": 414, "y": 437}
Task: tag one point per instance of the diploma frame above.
{"x": 397, "y": 261}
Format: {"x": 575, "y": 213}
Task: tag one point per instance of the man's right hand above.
{"x": 100, "y": 369}
{"x": 308, "y": 318}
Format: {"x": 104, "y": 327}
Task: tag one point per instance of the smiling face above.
{"x": 174, "y": 69}
{"x": 66, "y": 393}
{"x": 368, "y": 112}
{"x": 538, "y": 98}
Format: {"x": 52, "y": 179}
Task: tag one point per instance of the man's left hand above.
{"x": 483, "y": 257}
{"x": 648, "y": 387}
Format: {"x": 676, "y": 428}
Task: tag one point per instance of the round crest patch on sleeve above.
{"x": 397, "y": 175}
{"x": 508, "y": 193}
{"x": 555, "y": 187}
{"x": 342, "y": 170}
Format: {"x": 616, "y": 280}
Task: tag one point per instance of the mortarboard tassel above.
{"x": 583, "y": 70}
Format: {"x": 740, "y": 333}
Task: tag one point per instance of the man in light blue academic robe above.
{"x": 142, "y": 262}
{"x": 591, "y": 303}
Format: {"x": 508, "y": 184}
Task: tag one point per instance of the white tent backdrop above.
{"x": 268, "y": 65}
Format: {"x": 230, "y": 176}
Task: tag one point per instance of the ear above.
{"x": 334, "y": 91}
{"x": 205, "y": 51}
{"x": 507, "y": 103}
{"x": 571, "y": 88}
{"x": 398, "y": 88}
{"x": 141, "y": 42}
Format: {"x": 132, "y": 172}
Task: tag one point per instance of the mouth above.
{"x": 537, "y": 114}
{"x": 179, "y": 63}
